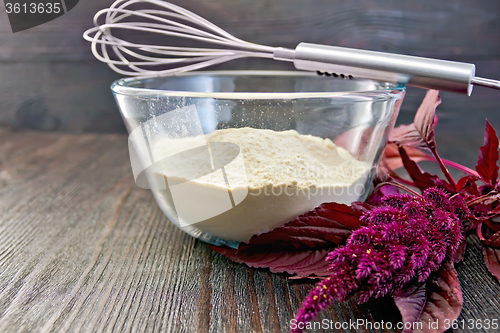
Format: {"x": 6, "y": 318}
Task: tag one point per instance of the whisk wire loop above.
{"x": 137, "y": 59}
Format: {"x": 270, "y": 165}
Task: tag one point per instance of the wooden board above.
{"x": 50, "y": 80}
{"x": 82, "y": 248}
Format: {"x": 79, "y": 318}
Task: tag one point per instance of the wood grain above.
{"x": 84, "y": 249}
{"x": 51, "y": 82}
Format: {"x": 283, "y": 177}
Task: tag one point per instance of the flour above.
{"x": 267, "y": 178}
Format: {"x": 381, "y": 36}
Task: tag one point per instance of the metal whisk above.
{"x": 167, "y": 19}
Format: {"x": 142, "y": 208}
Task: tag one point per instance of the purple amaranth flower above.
{"x": 406, "y": 239}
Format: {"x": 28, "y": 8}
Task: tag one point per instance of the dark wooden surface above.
{"x": 82, "y": 248}
{"x": 50, "y": 81}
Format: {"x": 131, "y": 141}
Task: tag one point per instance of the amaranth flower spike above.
{"x": 406, "y": 239}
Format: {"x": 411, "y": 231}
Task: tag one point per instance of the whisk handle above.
{"x": 400, "y": 69}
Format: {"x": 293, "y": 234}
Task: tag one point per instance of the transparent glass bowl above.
{"x": 210, "y": 187}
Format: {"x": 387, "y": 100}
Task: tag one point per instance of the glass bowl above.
{"x": 231, "y": 154}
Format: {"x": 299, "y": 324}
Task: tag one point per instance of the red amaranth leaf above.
{"x": 300, "y": 246}
{"x": 329, "y": 224}
{"x": 425, "y": 119}
{"x": 468, "y": 184}
{"x": 302, "y": 264}
{"x": 488, "y": 156}
{"x": 493, "y": 241}
{"x": 460, "y": 254}
{"x": 496, "y": 210}
{"x": 444, "y": 300}
{"x": 420, "y": 134}
{"x": 410, "y": 303}
{"x": 407, "y": 135}
{"x": 392, "y": 159}
{"x": 492, "y": 260}
{"x": 422, "y": 180}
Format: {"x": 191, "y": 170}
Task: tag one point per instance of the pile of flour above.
{"x": 272, "y": 178}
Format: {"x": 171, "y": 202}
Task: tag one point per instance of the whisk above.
{"x": 167, "y": 19}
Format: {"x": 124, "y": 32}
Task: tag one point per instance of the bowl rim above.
{"x": 121, "y": 87}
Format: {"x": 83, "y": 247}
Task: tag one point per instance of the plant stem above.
{"x": 398, "y": 185}
{"x": 479, "y": 231}
{"x": 443, "y": 167}
{"x": 452, "y": 164}
{"x": 476, "y": 200}
{"x": 399, "y": 179}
